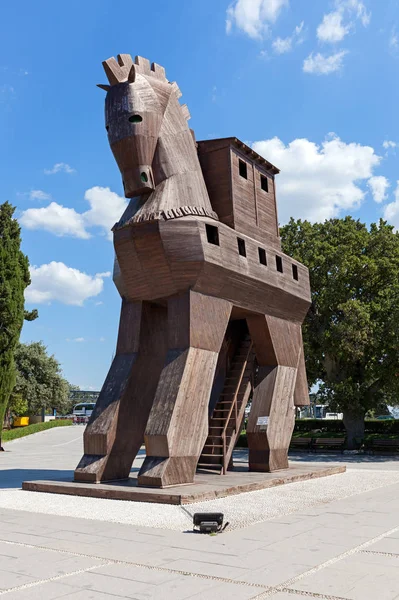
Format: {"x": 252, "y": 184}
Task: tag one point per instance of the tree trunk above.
{"x": 354, "y": 425}
{"x": 7, "y": 419}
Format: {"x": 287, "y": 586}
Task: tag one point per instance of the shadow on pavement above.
{"x": 13, "y": 478}
{"x": 241, "y": 455}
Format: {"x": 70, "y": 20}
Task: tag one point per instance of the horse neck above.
{"x": 180, "y": 186}
{"x": 177, "y": 171}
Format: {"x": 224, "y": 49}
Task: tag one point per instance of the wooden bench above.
{"x": 301, "y": 443}
{"x": 388, "y": 446}
{"x": 331, "y": 444}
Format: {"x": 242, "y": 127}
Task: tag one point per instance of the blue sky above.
{"x": 311, "y": 85}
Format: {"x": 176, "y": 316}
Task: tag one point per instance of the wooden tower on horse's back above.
{"x": 211, "y": 308}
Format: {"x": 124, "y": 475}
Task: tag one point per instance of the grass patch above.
{"x": 18, "y": 432}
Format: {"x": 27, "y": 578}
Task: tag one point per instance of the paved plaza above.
{"x": 334, "y": 538}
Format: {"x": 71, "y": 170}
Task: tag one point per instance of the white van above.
{"x": 83, "y": 409}
{"x": 336, "y": 416}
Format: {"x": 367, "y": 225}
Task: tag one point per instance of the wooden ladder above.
{"x": 228, "y": 414}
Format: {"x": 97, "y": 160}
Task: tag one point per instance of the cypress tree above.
{"x": 14, "y": 278}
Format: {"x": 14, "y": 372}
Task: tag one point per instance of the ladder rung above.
{"x": 213, "y": 446}
{"x": 212, "y": 455}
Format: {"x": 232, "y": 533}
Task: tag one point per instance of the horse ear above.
{"x": 104, "y": 87}
{"x": 132, "y": 74}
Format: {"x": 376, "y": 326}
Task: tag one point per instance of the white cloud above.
{"x": 389, "y": 144}
{"x": 39, "y": 195}
{"x": 264, "y": 55}
{"x": 283, "y": 45}
{"x": 102, "y": 339}
{"x": 78, "y": 339}
{"x": 393, "y": 40}
{"x": 56, "y": 219}
{"x": 57, "y": 281}
{"x": 106, "y": 208}
{"x": 390, "y": 147}
{"x": 58, "y": 167}
{"x": 318, "y": 182}
{"x": 391, "y": 211}
{"x": 359, "y": 9}
{"x": 331, "y": 28}
{"x": 254, "y": 16}
{"x": 319, "y": 64}
{"x": 378, "y": 186}
{"x": 337, "y": 24}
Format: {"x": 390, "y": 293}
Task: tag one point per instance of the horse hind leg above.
{"x": 278, "y": 349}
{"x": 116, "y": 428}
{"x": 178, "y": 423}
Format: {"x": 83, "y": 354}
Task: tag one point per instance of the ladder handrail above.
{"x": 234, "y": 406}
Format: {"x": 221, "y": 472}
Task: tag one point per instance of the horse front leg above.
{"x": 178, "y": 423}
{"x": 116, "y": 428}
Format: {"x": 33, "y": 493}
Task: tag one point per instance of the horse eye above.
{"x": 135, "y": 119}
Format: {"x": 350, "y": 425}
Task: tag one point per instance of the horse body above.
{"x": 179, "y": 294}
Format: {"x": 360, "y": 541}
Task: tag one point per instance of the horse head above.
{"x": 135, "y": 104}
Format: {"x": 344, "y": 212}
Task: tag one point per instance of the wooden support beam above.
{"x": 178, "y": 422}
{"x": 278, "y": 348}
{"x": 116, "y": 428}
{"x": 301, "y": 394}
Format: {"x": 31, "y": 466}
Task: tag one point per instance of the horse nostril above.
{"x": 107, "y": 127}
{"x": 144, "y": 177}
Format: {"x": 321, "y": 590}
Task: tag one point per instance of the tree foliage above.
{"x": 14, "y": 278}
{"x": 18, "y": 406}
{"x": 39, "y": 379}
{"x": 351, "y": 332}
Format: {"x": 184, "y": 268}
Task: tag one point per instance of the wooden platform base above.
{"x": 205, "y": 487}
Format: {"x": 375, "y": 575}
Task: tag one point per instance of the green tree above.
{"x": 351, "y": 332}
{"x": 39, "y": 379}
{"x": 71, "y": 401}
{"x": 17, "y": 405}
{"x": 14, "y": 278}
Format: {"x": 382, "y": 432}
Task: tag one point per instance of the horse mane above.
{"x": 123, "y": 69}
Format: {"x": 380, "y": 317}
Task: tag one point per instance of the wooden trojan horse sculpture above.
{"x": 211, "y": 308}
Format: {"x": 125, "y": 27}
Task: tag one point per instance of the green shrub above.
{"x": 388, "y": 427}
{"x": 19, "y": 432}
{"x": 313, "y": 428}
{"x": 242, "y": 441}
{"x": 322, "y": 425}
{"x": 336, "y": 425}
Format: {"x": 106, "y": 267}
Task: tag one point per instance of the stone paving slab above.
{"x": 47, "y": 591}
{"x": 329, "y": 539}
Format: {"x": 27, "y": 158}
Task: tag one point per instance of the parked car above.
{"x": 385, "y": 418}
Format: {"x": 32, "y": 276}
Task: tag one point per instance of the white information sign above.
{"x": 262, "y": 421}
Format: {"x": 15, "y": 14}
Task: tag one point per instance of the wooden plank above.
{"x": 178, "y": 423}
{"x": 116, "y": 428}
{"x": 301, "y": 393}
{"x": 207, "y": 486}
